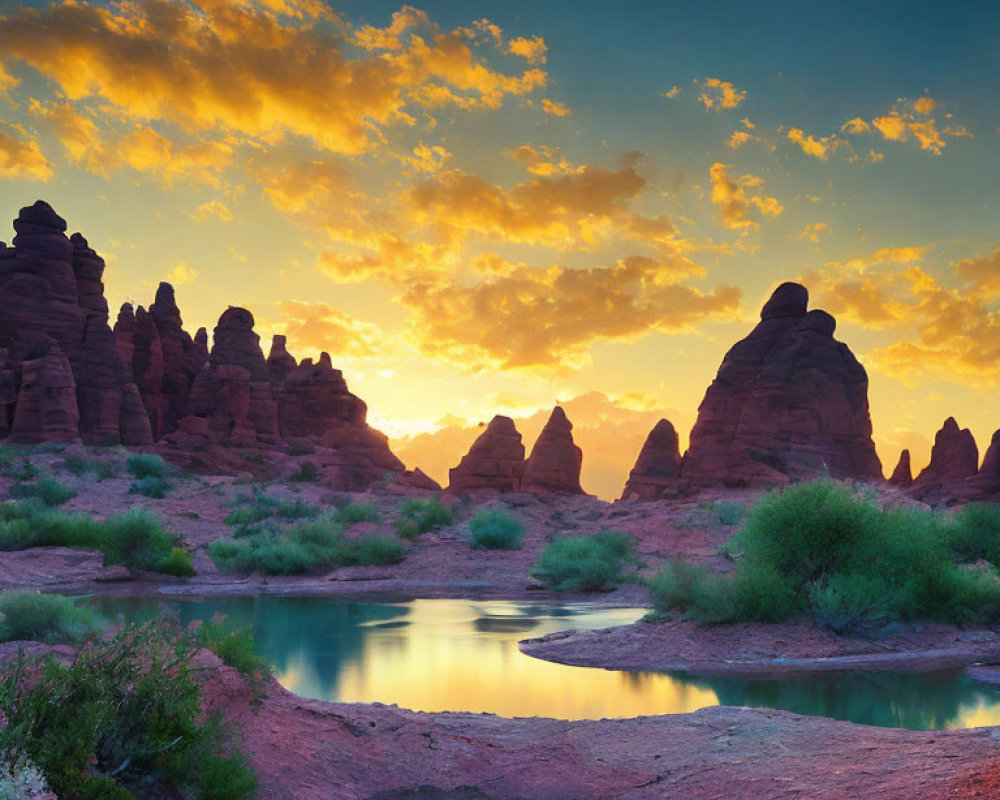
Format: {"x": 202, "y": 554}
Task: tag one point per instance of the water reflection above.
{"x": 456, "y": 655}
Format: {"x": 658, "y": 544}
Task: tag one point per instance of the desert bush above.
{"x": 177, "y": 562}
{"x": 150, "y": 486}
{"x": 147, "y": 465}
{"x": 496, "y": 529}
{"x": 306, "y": 473}
{"x": 315, "y": 544}
{"x": 81, "y": 466}
{"x": 357, "y": 512}
{"x": 51, "y": 618}
{"x": 975, "y": 533}
{"x": 826, "y": 550}
{"x": 420, "y": 516}
{"x": 135, "y": 538}
{"x": 124, "y": 714}
{"x": 46, "y": 489}
{"x": 250, "y": 510}
{"x": 235, "y": 647}
{"x": 587, "y": 563}
{"x": 730, "y": 513}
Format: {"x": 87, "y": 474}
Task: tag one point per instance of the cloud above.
{"x": 532, "y": 50}
{"x": 740, "y": 200}
{"x": 814, "y": 231}
{"x": 555, "y": 108}
{"x": 905, "y": 120}
{"x": 529, "y": 317}
{"x": 811, "y": 146}
{"x": 925, "y": 105}
{"x": 671, "y": 93}
{"x": 244, "y": 68}
{"x": 181, "y": 274}
{"x": 320, "y": 327}
{"x": 950, "y": 332}
{"x": 21, "y": 158}
{"x": 213, "y": 208}
{"x": 719, "y": 95}
{"x": 855, "y": 126}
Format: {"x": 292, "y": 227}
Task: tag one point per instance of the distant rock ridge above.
{"x": 902, "y": 475}
{"x": 555, "y": 461}
{"x": 65, "y": 375}
{"x": 954, "y": 475}
{"x": 789, "y": 402}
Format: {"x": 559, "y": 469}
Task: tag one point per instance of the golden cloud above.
{"x": 555, "y": 108}
{"x": 811, "y": 146}
{"x": 954, "y": 333}
{"x": 213, "y": 208}
{"x": 319, "y": 326}
{"x": 717, "y": 95}
{"x": 181, "y": 274}
{"x": 245, "y": 67}
{"x": 740, "y": 200}
{"x": 532, "y": 50}
{"x": 530, "y": 317}
{"x": 812, "y": 232}
{"x": 22, "y": 158}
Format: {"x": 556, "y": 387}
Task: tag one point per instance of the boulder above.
{"x": 658, "y": 466}
{"x": 495, "y": 460}
{"x": 788, "y": 403}
{"x": 555, "y": 460}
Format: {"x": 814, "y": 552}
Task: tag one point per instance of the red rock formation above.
{"x": 495, "y": 460}
{"x": 555, "y": 461}
{"x": 954, "y": 457}
{"x": 46, "y": 403}
{"x": 658, "y": 466}
{"x": 902, "y": 476}
{"x": 52, "y": 301}
{"x": 788, "y": 402}
{"x": 991, "y": 461}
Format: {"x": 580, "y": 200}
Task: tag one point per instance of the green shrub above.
{"x": 235, "y": 647}
{"x": 587, "y": 563}
{"x": 496, "y": 529}
{"x": 124, "y": 714}
{"x": 177, "y": 562}
{"x": 13, "y": 464}
{"x": 312, "y": 545}
{"x": 249, "y": 510}
{"x": 827, "y": 550}
{"x": 373, "y": 550}
{"x": 82, "y": 466}
{"x": 306, "y": 473}
{"x": 420, "y": 516}
{"x": 46, "y": 489}
{"x": 357, "y": 512}
{"x": 730, "y": 513}
{"x": 51, "y": 618}
{"x": 975, "y": 533}
{"x": 150, "y": 486}
{"x": 147, "y": 465}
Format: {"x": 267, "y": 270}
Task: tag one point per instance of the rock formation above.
{"x": 902, "y": 475}
{"x": 789, "y": 402}
{"x": 658, "y": 466}
{"x": 65, "y": 375}
{"x": 555, "y": 461}
{"x": 954, "y": 457}
{"x": 52, "y": 315}
{"x": 495, "y": 460}
{"x": 991, "y": 461}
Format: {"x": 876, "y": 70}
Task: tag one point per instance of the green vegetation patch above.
{"x": 46, "y": 489}
{"x": 147, "y": 465}
{"x": 420, "y": 516}
{"x": 136, "y": 538}
{"x": 251, "y": 510}
{"x": 496, "y": 529}
{"x": 49, "y": 618}
{"x": 826, "y": 549}
{"x": 122, "y": 720}
{"x": 586, "y": 563}
{"x": 312, "y": 545}
{"x": 150, "y": 486}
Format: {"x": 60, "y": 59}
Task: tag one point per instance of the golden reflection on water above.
{"x": 444, "y": 661}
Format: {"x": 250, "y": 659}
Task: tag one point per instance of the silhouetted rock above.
{"x": 555, "y": 461}
{"x": 51, "y": 292}
{"x": 658, "y": 466}
{"x": 954, "y": 457}
{"x": 991, "y": 461}
{"x": 788, "y": 402}
{"x": 902, "y": 475}
{"x": 495, "y": 460}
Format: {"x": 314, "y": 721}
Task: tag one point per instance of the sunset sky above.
{"x": 484, "y": 208}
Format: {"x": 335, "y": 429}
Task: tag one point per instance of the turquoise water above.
{"x": 461, "y": 655}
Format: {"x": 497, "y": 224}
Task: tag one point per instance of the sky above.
{"x": 483, "y": 208}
